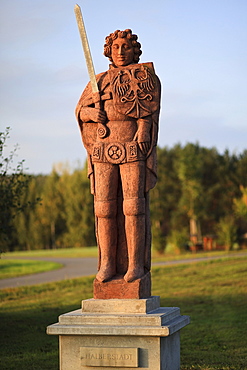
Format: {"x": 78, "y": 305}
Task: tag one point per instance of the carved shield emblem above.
{"x": 135, "y": 90}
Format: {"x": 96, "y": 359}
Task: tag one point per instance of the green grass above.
{"x": 213, "y": 294}
{"x": 93, "y": 252}
{"x": 14, "y": 268}
{"x": 156, "y": 257}
{"x": 60, "y": 252}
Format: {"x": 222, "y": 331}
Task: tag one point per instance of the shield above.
{"x": 135, "y": 90}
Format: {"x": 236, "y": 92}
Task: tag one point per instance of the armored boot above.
{"x": 105, "y": 212}
{"x": 134, "y": 211}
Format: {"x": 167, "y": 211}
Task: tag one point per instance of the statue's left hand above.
{"x": 142, "y": 136}
{"x": 144, "y": 147}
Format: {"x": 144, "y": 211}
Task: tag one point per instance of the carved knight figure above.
{"x": 119, "y": 128}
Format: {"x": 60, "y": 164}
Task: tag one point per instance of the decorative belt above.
{"x": 117, "y": 153}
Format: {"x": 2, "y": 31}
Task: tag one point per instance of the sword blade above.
{"x": 86, "y": 48}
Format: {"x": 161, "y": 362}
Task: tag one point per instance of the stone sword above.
{"x": 102, "y": 131}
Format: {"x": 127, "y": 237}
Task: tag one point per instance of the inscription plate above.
{"x": 110, "y": 357}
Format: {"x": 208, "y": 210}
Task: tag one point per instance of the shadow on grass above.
{"x": 25, "y": 314}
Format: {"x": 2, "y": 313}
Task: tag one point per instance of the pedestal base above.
{"x": 104, "y": 336}
{"x": 117, "y": 288}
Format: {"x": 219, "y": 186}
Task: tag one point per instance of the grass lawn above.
{"x": 60, "y": 252}
{"x": 13, "y": 268}
{"x": 213, "y": 294}
{"x": 93, "y": 252}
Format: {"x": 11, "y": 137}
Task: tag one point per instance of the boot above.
{"x": 107, "y": 238}
{"x": 135, "y": 233}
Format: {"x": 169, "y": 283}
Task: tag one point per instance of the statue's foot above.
{"x": 133, "y": 274}
{"x": 105, "y": 274}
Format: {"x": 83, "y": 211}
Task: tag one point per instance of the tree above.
{"x": 190, "y": 173}
{"x": 196, "y": 187}
{"x": 52, "y": 213}
{"x": 240, "y": 209}
{"x": 13, "y": 183}
{"x": 78, "y": 203}
{"x": 241, "y": 203}
{"x": 227, "y": 232}
{"x": 164, "y": 197}
{"x": 29, "y": 232}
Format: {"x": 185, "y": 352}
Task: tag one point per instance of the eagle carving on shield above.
{"x": 134, "y": 90}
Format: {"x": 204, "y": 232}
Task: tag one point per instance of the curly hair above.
{"x": 122, "y": 34}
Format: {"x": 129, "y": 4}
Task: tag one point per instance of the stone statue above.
{"x": 119, "y": 127}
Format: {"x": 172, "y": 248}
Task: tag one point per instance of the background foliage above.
{"x": 197, "y": 188}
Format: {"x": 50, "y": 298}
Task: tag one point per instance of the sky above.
{"x": 198, "y": 47}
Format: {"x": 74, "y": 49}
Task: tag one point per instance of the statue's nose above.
{"x": 121, "y": 50}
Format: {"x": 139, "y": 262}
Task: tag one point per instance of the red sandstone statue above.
{"x": 119, "y": 129}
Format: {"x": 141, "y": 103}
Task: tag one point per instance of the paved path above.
{"x": 72, "y": 268}
{"x": 78, "y": 267}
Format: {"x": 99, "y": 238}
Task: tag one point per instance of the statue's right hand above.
{"x": 98, "y": 115}
{"x": 92, "y": 114}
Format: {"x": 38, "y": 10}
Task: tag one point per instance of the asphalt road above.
{"x": 78, "y": 267}
{"x": 72, "y": 268}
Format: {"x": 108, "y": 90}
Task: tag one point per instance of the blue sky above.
{"x": 199, "y": 49}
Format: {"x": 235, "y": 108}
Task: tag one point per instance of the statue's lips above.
{"x": 121, "y": 61}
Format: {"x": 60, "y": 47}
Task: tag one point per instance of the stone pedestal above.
{"x": 118, "y": 288}
{"x": 120, "y": 333}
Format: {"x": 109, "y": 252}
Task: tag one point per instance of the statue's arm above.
{"x": 92, "y": 114}
{"x": 146, "y": 130}
{"x": 88, "y": 108}
{"x": 143, "y": 134}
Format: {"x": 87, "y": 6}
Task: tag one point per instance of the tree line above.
{"x": 200, "y": 196}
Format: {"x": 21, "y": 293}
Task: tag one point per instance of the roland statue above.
{"x": 119, "y": 128}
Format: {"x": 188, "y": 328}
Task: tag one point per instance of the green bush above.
{"x": 177, "y": 241}
{"x": 227, "y": 232}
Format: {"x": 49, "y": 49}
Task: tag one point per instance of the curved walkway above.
{"x": 72, "y": 268}
{"x": 78, "y": 267}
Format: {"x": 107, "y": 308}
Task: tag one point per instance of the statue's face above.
{"x": 122, "y": 52}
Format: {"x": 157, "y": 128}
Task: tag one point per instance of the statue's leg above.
{"x": 105, "y": 204}
{"x": 134, "y": 204}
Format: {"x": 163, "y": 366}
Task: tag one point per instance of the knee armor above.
{"x": 105, "y": 208}
{"x": 134, "y": 206}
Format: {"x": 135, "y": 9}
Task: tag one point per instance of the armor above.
{"x": 122, "y": 165}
